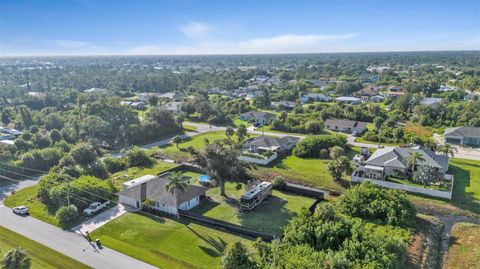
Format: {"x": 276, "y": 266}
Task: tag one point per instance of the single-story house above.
{"x": 258, "y": 117}
{"x": 393, "y": 94}
{"x": 150, "y": 187}
{"x": 265, "y": 143}
{"x": 444, "y": 88}
{"x": 431, "y": 101}
{"x": 463, "y": 136}
{"x": 348, "y": 100}
{"x": 377, "y": 98}
{"x": 389, "y": 161}
{"x": 317, "y": 97}
{"x": 174, "y": 107}
{"x": 135, "y": 105}
{"x": 287, "y": 105}
{"x": 396, "y": 89}
{"x": 95, "y": 90}
{"x": 346, "y": 126}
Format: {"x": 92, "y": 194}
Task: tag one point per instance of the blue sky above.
{"x": 99, "y": 27}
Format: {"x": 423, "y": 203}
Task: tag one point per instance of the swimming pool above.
{"x": 204, "y": 178}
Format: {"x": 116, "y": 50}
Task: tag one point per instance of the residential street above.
{"x": 67, "y": 243}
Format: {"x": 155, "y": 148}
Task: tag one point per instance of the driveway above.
{"x": 102, "y": 219}
{"x": 68, "y": 243}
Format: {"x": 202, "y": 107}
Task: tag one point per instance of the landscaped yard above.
{"x": 270, "y": 217}
{"x": 166, "y": 243}
{"x": 466, "y": 189}
{"x": 135, "y": 172}
{"x": 312, "y": 171}
{"x": 40, "y": 255}
{"x": 196, "y": 142}
{"x": 464, "y": 251}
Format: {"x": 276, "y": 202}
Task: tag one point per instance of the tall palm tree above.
{"x": 413, "y": 158}
{"x": 16, "y": 259}
{"x": 448, "y": 149}
{"x": 176, "y": 182}
{"x": 177, "y": 140}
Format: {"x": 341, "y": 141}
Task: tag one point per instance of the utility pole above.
{"x": 68, "y": 191}
{"x": 274, "y": 252}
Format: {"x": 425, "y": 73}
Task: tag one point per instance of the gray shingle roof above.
{"x": 156, "y": 192}
{"x": 463, "y": 131}
{"x": 346, "y": 123}
{"x": 397, "y": 157}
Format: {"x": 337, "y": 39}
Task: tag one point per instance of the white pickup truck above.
{"x": 95, "y": 207}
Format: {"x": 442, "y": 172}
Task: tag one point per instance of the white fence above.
{"x": 258, "y": 161}
{"x": 397, "y": 186}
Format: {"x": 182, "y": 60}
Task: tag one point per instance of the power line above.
{"x": 26, "y": 168}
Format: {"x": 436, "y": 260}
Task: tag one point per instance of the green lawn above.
{"x": 270, "y": 217}
{"x": 41, "y": 256}
{"x": 312, "y": 171}
{"x": 166, "y": 243}
{"x": 464, "y": 251}
{"x": 28, "y": 197}
{"x": 362, "y": 140}
{"x": 135, "y": 172}
{"x": 189, "y": 128}
{"x": 466, "y": 189}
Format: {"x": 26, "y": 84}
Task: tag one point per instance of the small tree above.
{"x": 413, "y": 159}
{"x": 236, "y": 257}
{"x": 16, "y": 258}
{"x": 177, "y": 140}
{"x": 179, "y": 120}
{"x": 229, "y": 132}
{"x": 338, "y": 167}
{"x": 336, "y": 152}
{"x": 448, "y": 149}
{"x": 241, "y": 132}
{"x": 176, "y": 182}
{"x": 138, "y": 157}
{"x": 67, "y": 214}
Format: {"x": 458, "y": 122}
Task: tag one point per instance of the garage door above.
{"x": 453, "y": 140}
{"x": 127, "y": 201}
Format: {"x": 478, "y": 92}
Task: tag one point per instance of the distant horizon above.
{"x": 36, "y": 28}
{"x": 239, "y": 54}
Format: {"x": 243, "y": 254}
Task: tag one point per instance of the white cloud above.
{"x": 195, "y": 29}
{"x": 276, "y": 44}
{"x": 70, "y": 44}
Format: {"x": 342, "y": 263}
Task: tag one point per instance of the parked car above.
{"x": 95, "y": 207}
{"x": 21, "y": 210}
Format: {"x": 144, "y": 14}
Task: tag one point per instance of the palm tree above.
{"x": 16, "y": 259}
{"x": 448, "y": 149}
{"x": 177, "y": 139}
{"x": 338, "y": 167}
{"x": 413, "y": 158}
{"x": 176, "y": 181}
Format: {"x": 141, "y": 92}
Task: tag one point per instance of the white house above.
{"x": 258, "y": 117}
{"x": 348, "y": 100}
{"x": 317, "y": 97}
{"x": 431, "y": 101}
{"x": 136, "y": 191}
{"x": 174, "y": 107}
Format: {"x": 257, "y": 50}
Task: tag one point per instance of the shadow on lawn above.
{"x": 461, "y": 198}
{"x": 269, "y": 217}
{"x": 217, "y": 246}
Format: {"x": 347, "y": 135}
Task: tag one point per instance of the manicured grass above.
{"x": 466, "y": 188}
{"x": 189, "y": 128}
{"x": 270, "y": 217}
{"x": 166, "y": 243}
{"x": 464, "y": 251}
{"x": 311, "y": 171}
{"x": 237, "y": 122}
{"x": 196, "y": 142}
{"x": 28, "y": 197}
{"x": 40, "y": 255}
{"x": 135, "y": 172}
{"x": 362, "y": 140}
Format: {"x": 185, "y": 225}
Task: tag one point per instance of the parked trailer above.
{"x": 256, "y": 195}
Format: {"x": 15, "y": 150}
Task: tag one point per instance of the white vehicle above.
{"x": 256, "y": 195}
{"x": 95, "y": 207}
{"x": 21, "y": 210}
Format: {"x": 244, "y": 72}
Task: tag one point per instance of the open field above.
{"x": 40, "y": 255}
{"x": 166, "y": 243}
{"x": 464, "y": 251}
{"x": 135, "y": 172}
{"x": 196, "y": 142}
{"x": 311, "y": 171}
{"x": 270, "y": 217}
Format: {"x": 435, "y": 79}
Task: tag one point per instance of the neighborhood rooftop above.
{"x": 397, "y": 157}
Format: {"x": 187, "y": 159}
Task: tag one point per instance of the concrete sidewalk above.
{"x": 102, "y": 219}
{"x": 68, "y": 243}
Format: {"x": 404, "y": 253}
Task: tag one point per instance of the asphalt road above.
{"x": 67, "y": 243}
